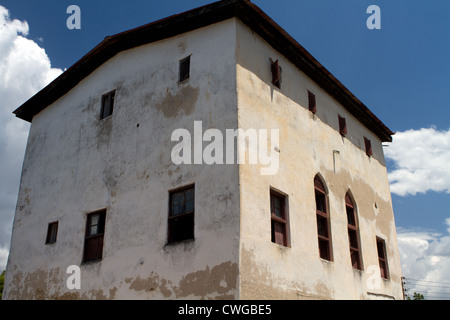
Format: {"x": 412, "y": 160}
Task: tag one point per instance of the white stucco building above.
{"x": 100, "y": 189}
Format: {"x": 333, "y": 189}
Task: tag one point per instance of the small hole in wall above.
{"x": 376, "y": 205}
{"x": 138, "y": 125}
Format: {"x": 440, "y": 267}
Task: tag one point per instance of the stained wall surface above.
{"x": 309, "y": 145}
{"x": 76, "y": 163}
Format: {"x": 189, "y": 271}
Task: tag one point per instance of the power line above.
{"x": 425, "y": 283}
{"x": 426, "y": 287}
{"x": 439, "y": 282}
{"x": 438, "y": 293}
{"x": 436, "y": 297}
{"x": 429, "y": 286}
{"x": 427, "y": 295}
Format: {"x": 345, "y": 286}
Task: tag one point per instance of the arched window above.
{"x": 323, "y": 221}
{"x": 353, "y": 232}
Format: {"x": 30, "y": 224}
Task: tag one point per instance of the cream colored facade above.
{"x": 76, "y": 164}
{"x": 309, "y": 145}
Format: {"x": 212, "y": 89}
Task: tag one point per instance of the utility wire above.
{"x": 428, "y": 286}
{"x": 410, "y": 283}
{"x": 439, "y": 282}
{"x": 436, "y": 297}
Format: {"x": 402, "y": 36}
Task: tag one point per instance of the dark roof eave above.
{"x": 110, "y": 46}
{"x": 270, "y": 31}
{"x": 249, "y": 14}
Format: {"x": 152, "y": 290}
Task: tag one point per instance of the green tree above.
{"x": 416, "y": 296}
{"x": 2, "y": 282}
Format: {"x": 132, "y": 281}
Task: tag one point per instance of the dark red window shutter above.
{"x": 382, "y": 258}
{"x": 348, "y": 201}
{"x": 319, "y": 185}
{"x": 342, "y": 125}
{"x": 368, "y": 144}
{"x": 276, "y": 73}
{"x": 93, "y": 241}
{"x": 279, "y": 233}
{"x": 93, "y": 248}
{"x": 322, "y": 216}
{"x": 279, "y": 218}
{"x": 312, "y": 102}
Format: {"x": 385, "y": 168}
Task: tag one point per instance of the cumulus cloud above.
{"x": 425, "y": 257}
{"x": 24, "y": 69}
{"x": 421, "y": 161}
{"x": 3, "y": 258}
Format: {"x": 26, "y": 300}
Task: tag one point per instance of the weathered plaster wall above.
{"x": 76, "y": 164}
{"x": 307, "y": 147}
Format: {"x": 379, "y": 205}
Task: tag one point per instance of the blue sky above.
{"x": 401, "y": 72}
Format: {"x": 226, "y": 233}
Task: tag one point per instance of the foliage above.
{"x": 416, "y": 296}
{"x": 2, "y": 282}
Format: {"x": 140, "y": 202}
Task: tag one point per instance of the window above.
{"x": 323, "y": 225}
{"x": 185, "y": 66}
{"x": 93, "y": 241}
{"x": 276, "y": 73}
{"x": 382, "y": 259}
{"x": 353, "y": 233}
{"x": 181, "y": 214}
{"x": 342, "y": 126}
{"x": 312, "y": 102}
{"x": 107, "y": 104}
{"x": 279, "y": 218}
{"x": 52, "y": 233}
{"x": 368, "y": 145}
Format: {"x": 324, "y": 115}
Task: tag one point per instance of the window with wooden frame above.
{"x": 342, "y": 125}
{"x": 323, "y": 221}
{"x": 181, "y": 215}
{"x": 368, "y": 145}
{"x": 278, "y": 218}
{"x": 312, "y": 102}
{"x": 52, "y": 233}
{"x": 95, "y": 231}
{"x": 382, "y": 258}
{"x": 353, "y": 233}
{"x": 276, "y": 73}
{"x": 107, "y": 104}
{"x": 185, "y": 69}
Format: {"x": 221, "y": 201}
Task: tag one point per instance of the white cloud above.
{"x": 24, "y": 69}
{"x": 425, "y": 257}
{"x": 3, "y": 258}
{"x": 422, "y": 161}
